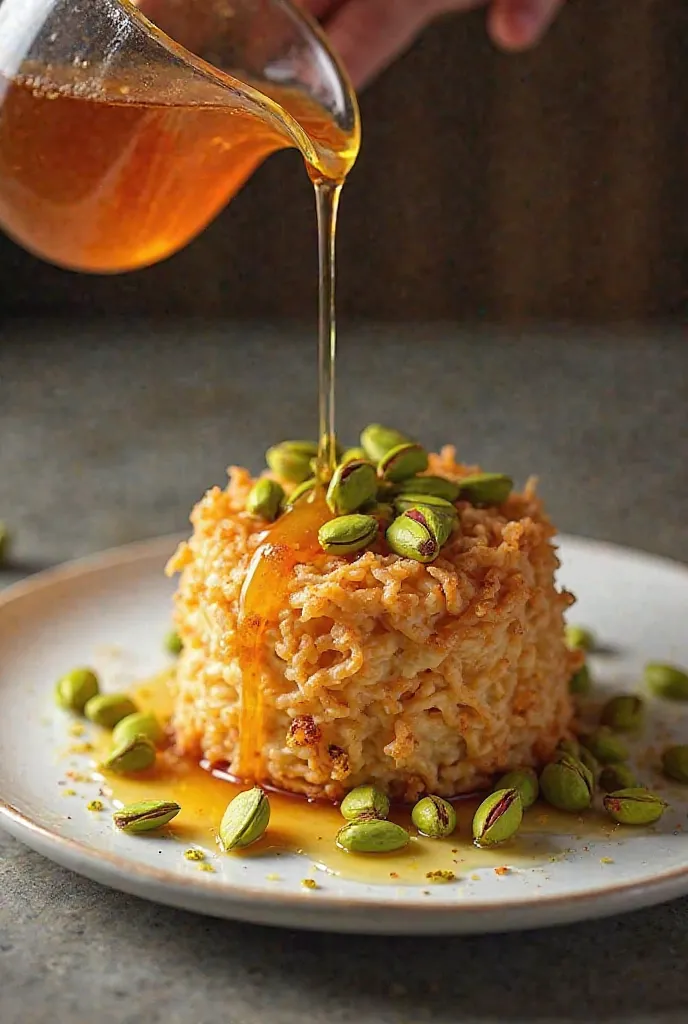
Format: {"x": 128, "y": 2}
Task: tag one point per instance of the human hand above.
{"x": 369, "y": 34}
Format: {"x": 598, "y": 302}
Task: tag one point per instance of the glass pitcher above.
{"x": 126, "y": 127}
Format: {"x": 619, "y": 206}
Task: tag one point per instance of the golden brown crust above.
{"x": 417, "y": 677}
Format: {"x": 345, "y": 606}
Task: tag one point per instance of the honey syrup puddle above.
{"x": 309, "y": 828}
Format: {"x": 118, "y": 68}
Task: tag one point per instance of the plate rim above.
{"x": 113, "y": 869}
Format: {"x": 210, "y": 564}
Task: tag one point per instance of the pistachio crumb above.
{"x": 77, "y": 729}
{"x": 440, "y": 875}
{"x": 193, "y": 854}
{"x": 475, "y": 878}
{"x": 80, "y": 748}
{"x": 273, "y": 878}
{"x": 68, "y": 792}
{"x": 206, "y": 867}
{"x": 606, "y": 860}
{"x": 309, "y": 883}
{"x": 503, "y": 870}
{"x": 95, "y": 805}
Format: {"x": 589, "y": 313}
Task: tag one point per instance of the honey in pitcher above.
{"x": 119, "y": 175}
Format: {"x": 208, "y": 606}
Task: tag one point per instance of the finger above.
{"x": 517, "y": 24}
{"x": 369, "y": 34}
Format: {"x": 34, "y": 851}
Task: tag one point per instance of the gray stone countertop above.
{"x": 110, "y": 431}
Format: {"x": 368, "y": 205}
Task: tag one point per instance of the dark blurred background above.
{"x": 542, "y": 187}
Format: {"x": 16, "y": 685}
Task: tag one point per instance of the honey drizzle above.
{"x": 291, "y": 541}
{"x": 309, "y": 828}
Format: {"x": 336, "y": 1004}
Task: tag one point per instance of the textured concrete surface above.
{"x": 109, "y": 432}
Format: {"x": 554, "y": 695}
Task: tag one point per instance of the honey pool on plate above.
{"x": 298, "y": 826}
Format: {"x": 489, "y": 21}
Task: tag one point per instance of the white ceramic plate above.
{"x": 121, "y": 600}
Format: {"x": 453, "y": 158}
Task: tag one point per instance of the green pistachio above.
{"x": 498, "y": 818}
{"x": 364, "y": 800}
{"x": 145, "y": 815}
{"x": 135, "y": 755}
{"x": 403, "y": 502}
{"x": 353, "y": 483}
{"x": 368, "y": 834}
{"x": 299, "y": 491}
{"x": 667, "y": 681}
{"x": 429, "y": 486}
{"x": 76, "y": 688}
{"x": 291, "y": 460}
{"x": 434, "y": 817}
{"x": 416, "y": 534}
{"x": 354, "y": 453}
{"x": 590, "y": 761}
{"x": 571, "y": 747}
{"x": 567, "y": 784}
{"x": 580, "y": 682}
{"x": 107, "y": 709}
{"x": 675, "y": 763}
{"x": 403, "y": 461}
{"x": 245, "y": 820}
{"x": 578, "y": 638}
{"x": 377, "y": 440}
{"x": 264, "y": 499}
{"x": 617, "y": 776}
{"x": 525, "y": 780}
{"x": 624, "y": 713}
{"x": 606, "y": 747}
{"x": 174, "y": 644}
{"x": 634, "y": 806}
{"x": 347, "y": 534}
{"x": 485, "y": 488}
{"x": 140, "y": 723}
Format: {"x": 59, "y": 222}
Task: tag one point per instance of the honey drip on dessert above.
{"x": 292, "y": 540}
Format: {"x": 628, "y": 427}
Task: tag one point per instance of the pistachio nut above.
{"x": 145, "y": 815}
{"x": 667, "y": 681}
{"x": 299, "y": 491}
{"x": 140, "y": 723}
{"x": 675, "y": 763}
{"x": 606, "y": 747}
{"x": 485, "y": 488}
{"x": 415, "y": 534}
{"x": 403, "y": 502}
{"x": 264, "y": 499}
{"x": 74, "y": 690}
{"x": 346, "y": 534}
{"x": 429, "y": 486}
{"x": 364, "y": 800}
{"x": 434, "y": 817}
{"x": 353, "y": 483}
{"x": 624, "y": 713}
{"x": 403, "y": 461}
{"x": 589, "y": 760}
{"x": 617, "y": 776}
{"x": 128, "y": 758}
{"x": 498, "y": 818}
{"x": 354, "y": 453}
{"x": 580, "y": 682}
{"x": 634, "y": 806}
{"x": 377, "y": 440}
{"x": 291, "y": 460}
{"x": 107, "y": 709}
{"x": 174, "y": 644}
{"x": 245, "y": 820}
{"x": 578, "y": 638}
{"x": 567, "y": 784}
{"x": 525, "y": 780}
{"x": 570, "y": 747}
{"x": 368, "y": 834}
